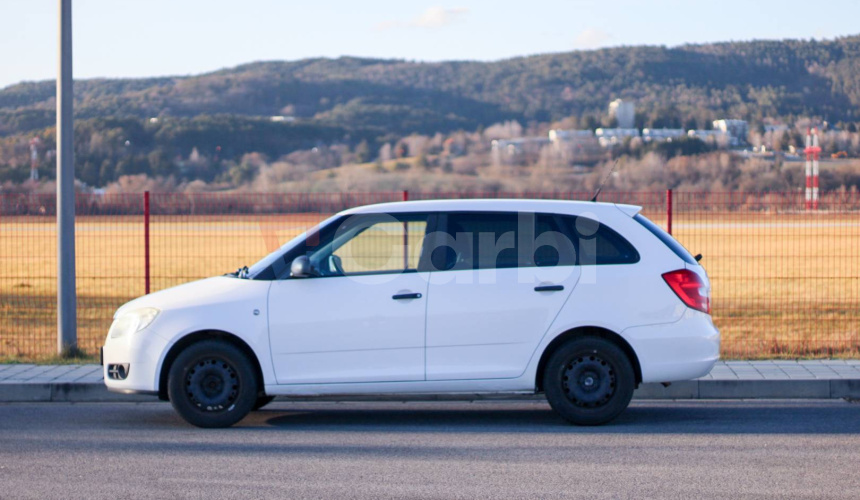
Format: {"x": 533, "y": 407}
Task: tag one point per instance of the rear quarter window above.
{"x": 667, "y": 239}
{"x": 599, "y": 244}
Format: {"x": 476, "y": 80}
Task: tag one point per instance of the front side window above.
{"x": 368, "y": 244}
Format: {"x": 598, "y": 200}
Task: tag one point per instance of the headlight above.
{"x": 132, "y": 322}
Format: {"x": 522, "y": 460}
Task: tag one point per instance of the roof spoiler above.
{"x": 630, "y": 210}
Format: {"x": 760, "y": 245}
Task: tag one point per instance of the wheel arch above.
{"x": 198, "y": 336}
{"x": 587, "y": 331}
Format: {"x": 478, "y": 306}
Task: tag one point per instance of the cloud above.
{"x": 436, "y": 17}
{"x": 432, "y": 18}
{"x": 591, "y": 38}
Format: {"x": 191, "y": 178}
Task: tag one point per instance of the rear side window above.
{"x": 500, "y": 240}
{"x": 552, "y": 247}
{"x": 598, "y": 244}
{"x": 667, "y": 239}
{"x": 484, "y": 241}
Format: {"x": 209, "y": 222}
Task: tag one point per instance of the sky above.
{"x": 134, "y": 38}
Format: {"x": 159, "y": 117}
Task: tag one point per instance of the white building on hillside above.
{"x": 612, "y": 136}
{"x": 519, "y": 151}
{"x": 775, "y": 127}
{"x": 716, "y": 138}
{"x": 737, "y": 129}
{"x": 662, "y": 134}
{"x": 558, "y": 135}
{"x": 624, "y": 112}
{"x": 575, "y": 146}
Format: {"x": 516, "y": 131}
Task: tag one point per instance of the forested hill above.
{"x": 672, "y": 87}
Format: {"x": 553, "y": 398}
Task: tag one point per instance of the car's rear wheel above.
{"x": 262, "y": 401}
{"x": 212, "y": 384}
{"x": 589, "y": 381}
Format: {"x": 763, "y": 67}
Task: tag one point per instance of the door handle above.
{"x": 404, "y": 296}
{"x": 549, "y": 288}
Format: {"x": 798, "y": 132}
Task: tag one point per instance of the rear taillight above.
{"x": 690, "y": 288}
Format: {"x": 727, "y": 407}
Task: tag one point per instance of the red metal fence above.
{"x": 786, "y": 280}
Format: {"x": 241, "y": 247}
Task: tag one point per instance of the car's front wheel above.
{"x": 212, "y": 384}
{"x": 589, "y": 381}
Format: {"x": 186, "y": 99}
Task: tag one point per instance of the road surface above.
{"x": 657, "y": 449}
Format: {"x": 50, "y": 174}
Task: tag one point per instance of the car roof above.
{"x": 497, "y": 205}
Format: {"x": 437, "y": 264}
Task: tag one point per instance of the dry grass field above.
{"x": 784, "y": 285}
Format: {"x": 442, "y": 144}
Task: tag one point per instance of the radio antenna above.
{"x": 597, "y": 193}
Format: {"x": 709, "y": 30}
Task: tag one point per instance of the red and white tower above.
{"x": 813, "y": 151}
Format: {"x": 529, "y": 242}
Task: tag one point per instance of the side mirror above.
{"x": 301, "y": 267}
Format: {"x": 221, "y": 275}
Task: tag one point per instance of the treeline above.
{"x": 673, "y": 87}
{"x": 218, "y": 128}
{"x": 208, "y": 148}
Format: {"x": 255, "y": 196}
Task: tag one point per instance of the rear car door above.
{"x": 498, "y": 280}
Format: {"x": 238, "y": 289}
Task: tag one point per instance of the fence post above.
{"x": 669, "y": 211}
{"x": 146, "y": 241}
{"x": 405, "y": 195}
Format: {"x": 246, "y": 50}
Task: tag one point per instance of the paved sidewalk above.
{"x": 781, "y": 370}
{"x": 728, "y": 380}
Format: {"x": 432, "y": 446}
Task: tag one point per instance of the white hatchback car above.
{"x": 581, "y": 301}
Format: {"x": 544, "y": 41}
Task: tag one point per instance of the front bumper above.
{"x": 140, "y": 353}
{"x": 684, "y": 350}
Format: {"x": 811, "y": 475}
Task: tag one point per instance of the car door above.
{"x": 498, "y": 281}
{"x": 361, "y": 317}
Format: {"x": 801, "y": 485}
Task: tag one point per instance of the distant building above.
{"x": 775, "y": 127}
{"x": 608, "y": 137}
{"x": 519, "y": 151}
{"x": 557, "y": 136}
{"x": 717, "y": 138}
{"x": 662, "y": 134}
{"x": 575, "y": 146}
{"x": 624, "y": 112}
{"x": 738, "y": 130}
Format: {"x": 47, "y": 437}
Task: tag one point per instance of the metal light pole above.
{"x": 67, "y": 336}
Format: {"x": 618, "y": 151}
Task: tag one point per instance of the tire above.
{"x": 262, "y": 401}
{"x": 212, "y": 384}
{"x": 604, "y": 381}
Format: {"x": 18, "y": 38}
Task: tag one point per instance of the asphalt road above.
{"x": 794, "y": 449}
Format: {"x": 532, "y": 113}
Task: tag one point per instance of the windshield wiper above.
{"x": 241, "y": 273}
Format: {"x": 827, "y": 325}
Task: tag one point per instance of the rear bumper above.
{"x": 684, "y": 350}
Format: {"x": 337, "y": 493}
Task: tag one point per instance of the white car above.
{"x": 581, "y": 301}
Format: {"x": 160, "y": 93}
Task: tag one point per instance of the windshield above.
{"x": 268, "y": 260}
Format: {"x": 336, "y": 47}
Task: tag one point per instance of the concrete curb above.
{"x": 65, "y": 393}
{"x": 753, "y": 389}
{"x": 694, "y": 389}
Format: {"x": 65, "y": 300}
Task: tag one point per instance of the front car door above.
{"x": 499, "y": 280}
{"x": 361, "y": 317}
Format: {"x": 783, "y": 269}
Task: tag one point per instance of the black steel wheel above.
{"x": 212, "y": 384}
{"x": 589, "y": 381}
